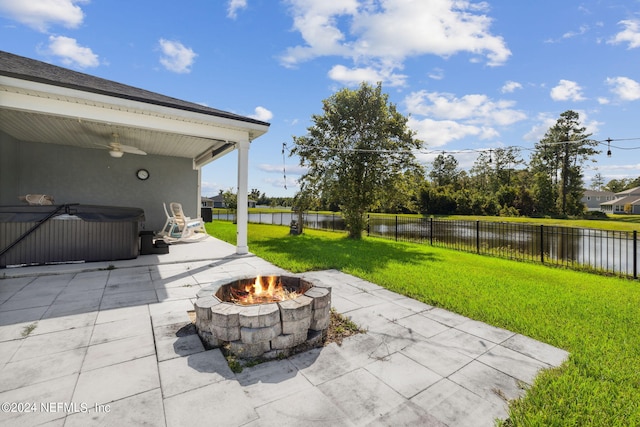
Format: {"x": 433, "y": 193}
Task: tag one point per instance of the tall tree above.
{"x": 357, "y": 152}
{"x": 504, "y": 162}
{"x": 255, "y": 194}
{"x": 482, "y": 173}
{"x": 561, "y": 154}
{"x": 597, "y": 182}
{"x": 444, "y": 170}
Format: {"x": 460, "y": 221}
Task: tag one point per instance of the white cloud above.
{"x": 631, "y": 33}
{"x": 210, "y": 189}
{"x": 624, "y": 88}
{"x": 591, "y": 126}
{"x": 436, "y": 133}
{"x": 448, "y": 118}
{"x": 381, "y": 35}
{"x": 41, "y": 14}
{"x": 567, "y": 90}
{"x": 355, "y": 76}
{"x": 290, "y": 169}
{"x": 510, "y": 87}
{"x": 234, "y": 6}
{"x": 603, "y": 101}
{"x": 262, "y": 114}
{"x": 436, "y": 74}
{"x": 176, "y": 57}
{"x": 71, "y": 53}
{"x": 570, "y": 34}
{"x": 544, "y": 122}
{"x": 473, "y": 109}
{"x": 316, "y": 22}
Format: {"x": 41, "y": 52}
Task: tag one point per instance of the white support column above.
{"x": 243, "y": 197}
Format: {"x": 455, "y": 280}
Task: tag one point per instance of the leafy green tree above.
{"x": 444, "y": 170}
{"x": 504, "y": 163}
{"x": 543, "y": 194}
{"x": 437, "y": 201}
{"x": 561, "y": 153}
{"x": 255, "y": 194}
{"x": 597, "y": 182}
{"x": 230, "y": 199}
{"x": 616, "y": 185}
{"x": 357, "y": 153}
{"x": 405, "y": 198}
{"x": 482, "y": 173}
{"x": 494, "y": 169}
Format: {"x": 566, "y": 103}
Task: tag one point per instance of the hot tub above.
{"x": 75, "y": 233}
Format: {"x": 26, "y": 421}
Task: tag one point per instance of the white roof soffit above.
{"x": 56, "y": 100}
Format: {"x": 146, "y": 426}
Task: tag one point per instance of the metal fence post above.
{"x": 542, "y": 243}
{"x": 368, "y": 230}
{"x": 635, "y": 254}
{"x": 396, "y": 228}
{"x": 478, "y": 236}
{"x": 431, "y": 231}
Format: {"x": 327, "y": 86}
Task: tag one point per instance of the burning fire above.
{"x": 260, "y": 292}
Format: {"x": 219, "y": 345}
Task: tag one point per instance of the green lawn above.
{"x": 595, "y": 318}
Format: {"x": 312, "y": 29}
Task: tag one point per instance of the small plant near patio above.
{"x": 29, "y": 328}
{"x": 341, "y": 327}
{"x": 234, "y": 364}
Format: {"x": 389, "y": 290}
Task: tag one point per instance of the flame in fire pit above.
{"x": 260, "y": 292}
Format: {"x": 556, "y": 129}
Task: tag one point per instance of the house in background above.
{"x": 592, "y": 199}
{"x": 218, "y": 202}
{"x": 81, "y": 139}
{"x": 206, "y": 202}
{"x": 627, "y": 201}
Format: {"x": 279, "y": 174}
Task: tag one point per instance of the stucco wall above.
{"x": 8, "y": 147}
{"x": 91, "y": 176}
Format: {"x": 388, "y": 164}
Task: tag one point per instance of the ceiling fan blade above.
{"x": 132, "y": 150}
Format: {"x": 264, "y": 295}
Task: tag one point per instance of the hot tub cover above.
{"x": 24, "y": 213}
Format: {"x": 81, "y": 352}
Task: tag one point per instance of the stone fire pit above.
{"x": 268, "y": 327}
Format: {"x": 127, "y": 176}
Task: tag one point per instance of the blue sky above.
{"x": 471, "y": 75}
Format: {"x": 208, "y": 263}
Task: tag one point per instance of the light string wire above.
{"x": 606, "y": 142}
{"x": 478, "y": 150}
{"x": 284, "y": 164}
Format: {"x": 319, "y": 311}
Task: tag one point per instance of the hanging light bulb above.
{"x": 490, "y": 159}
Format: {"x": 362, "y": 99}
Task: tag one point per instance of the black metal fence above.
{"x": 602, "y": 251}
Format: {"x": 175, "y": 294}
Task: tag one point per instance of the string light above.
{"x": 608, "y": 141}
{"x": 480, "y": 150}
{"x": 284, "y": 164}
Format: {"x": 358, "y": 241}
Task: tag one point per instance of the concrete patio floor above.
{"x": 83, "y": 345}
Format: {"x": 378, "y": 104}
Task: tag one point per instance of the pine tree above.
{"x": 561, "y": 155}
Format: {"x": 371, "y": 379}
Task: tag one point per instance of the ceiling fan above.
{"x": 117, "y": 150}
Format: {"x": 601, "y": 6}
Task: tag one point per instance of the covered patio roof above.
{"x": 44, "y": 103}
